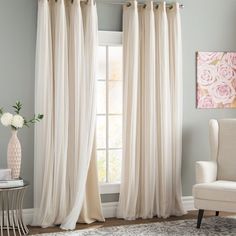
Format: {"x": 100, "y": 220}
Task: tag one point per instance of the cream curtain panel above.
{"x": 152, "y": 124}
{"x": 65, "y": 181}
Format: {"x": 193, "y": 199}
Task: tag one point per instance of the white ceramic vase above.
{"x": 14, "y": 155}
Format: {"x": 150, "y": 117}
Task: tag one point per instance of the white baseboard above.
{"x": 28, "y": 215}
{"x": 188, "y": 203}
{"x": 109, "y": 209}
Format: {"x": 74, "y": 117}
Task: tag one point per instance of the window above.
{"x": 109, "y": 108}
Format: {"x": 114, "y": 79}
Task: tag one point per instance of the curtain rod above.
{"x": 128, "y": 4}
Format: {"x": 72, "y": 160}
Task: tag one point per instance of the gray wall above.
{"x": 17, "y": 57}
{"x": 206, "y": 26}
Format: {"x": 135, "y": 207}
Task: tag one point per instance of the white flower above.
{"x": 226, "y": 72}
{"x": 6, "y": 119}
{"x": 222, "y": 92}
{"x": 17, "y": 121}
{"x": 206, "y": 74}
{"x": 207, "y": 58}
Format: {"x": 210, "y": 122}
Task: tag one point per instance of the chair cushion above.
{"x": 216, "y": 191}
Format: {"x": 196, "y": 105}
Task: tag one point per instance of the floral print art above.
{"x": 216, "y": 80}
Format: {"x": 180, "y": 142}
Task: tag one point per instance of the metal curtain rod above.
{"x": 128, "y": 4}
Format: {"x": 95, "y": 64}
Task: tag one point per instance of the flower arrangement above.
{"x": 17, "y": 121}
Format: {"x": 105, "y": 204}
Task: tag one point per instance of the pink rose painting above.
{"x": 216, "y": 80}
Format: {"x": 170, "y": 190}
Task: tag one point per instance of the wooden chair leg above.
{"x": 199, "y": 218}
{"x": 217, "y": 213}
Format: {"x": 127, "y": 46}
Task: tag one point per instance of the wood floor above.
{"x": 116, "y": 222}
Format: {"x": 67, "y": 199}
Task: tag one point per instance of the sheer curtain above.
{"x": 65, "y": 181}
{"x": 152, "y": 123}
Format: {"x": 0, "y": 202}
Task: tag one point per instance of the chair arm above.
{"x": 206, "y": 171}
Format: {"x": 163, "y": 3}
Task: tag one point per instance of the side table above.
{"x": 11, "y": 201}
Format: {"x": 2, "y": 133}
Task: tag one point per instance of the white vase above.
{"x": 14, "y": 155}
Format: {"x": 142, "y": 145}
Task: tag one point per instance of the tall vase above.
{"x": 14, "y": 155}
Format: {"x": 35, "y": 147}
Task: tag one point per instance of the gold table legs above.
{"x": 11, "y": 221}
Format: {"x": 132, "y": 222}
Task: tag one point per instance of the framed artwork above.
{"x": 216, "y": 80}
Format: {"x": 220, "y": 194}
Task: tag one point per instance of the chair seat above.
{"x": 216, "y": 191}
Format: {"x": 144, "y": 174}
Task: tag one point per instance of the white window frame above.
{"x": 111, "y": 38}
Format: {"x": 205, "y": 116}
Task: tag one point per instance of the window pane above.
{"x": 109, "y": 106}
{"x": 115, "y": 131}
{"x": 115, "y": 157}
{"x": 101, "y": 132}
{"x": 115, "y": 63}
{"x": 115, "y": 97}
{"x": 101, "y": 71}
{"x": 101, "y": 163}
{"x": 101, "y": 97}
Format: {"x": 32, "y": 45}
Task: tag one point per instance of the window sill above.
{"x": 110, "y": 38}
{"x": 107, "y": 188}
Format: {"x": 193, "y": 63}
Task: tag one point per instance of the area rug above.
{"x": 210, "y": 226}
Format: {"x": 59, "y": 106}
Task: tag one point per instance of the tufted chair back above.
{"x": 223, "y": 147}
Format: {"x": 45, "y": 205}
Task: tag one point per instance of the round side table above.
{"x": 11, "y": 201}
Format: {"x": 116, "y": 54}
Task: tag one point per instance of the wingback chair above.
{"x": 215, "y": 187}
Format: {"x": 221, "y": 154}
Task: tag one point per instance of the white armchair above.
{"x": 215, "y": 187}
